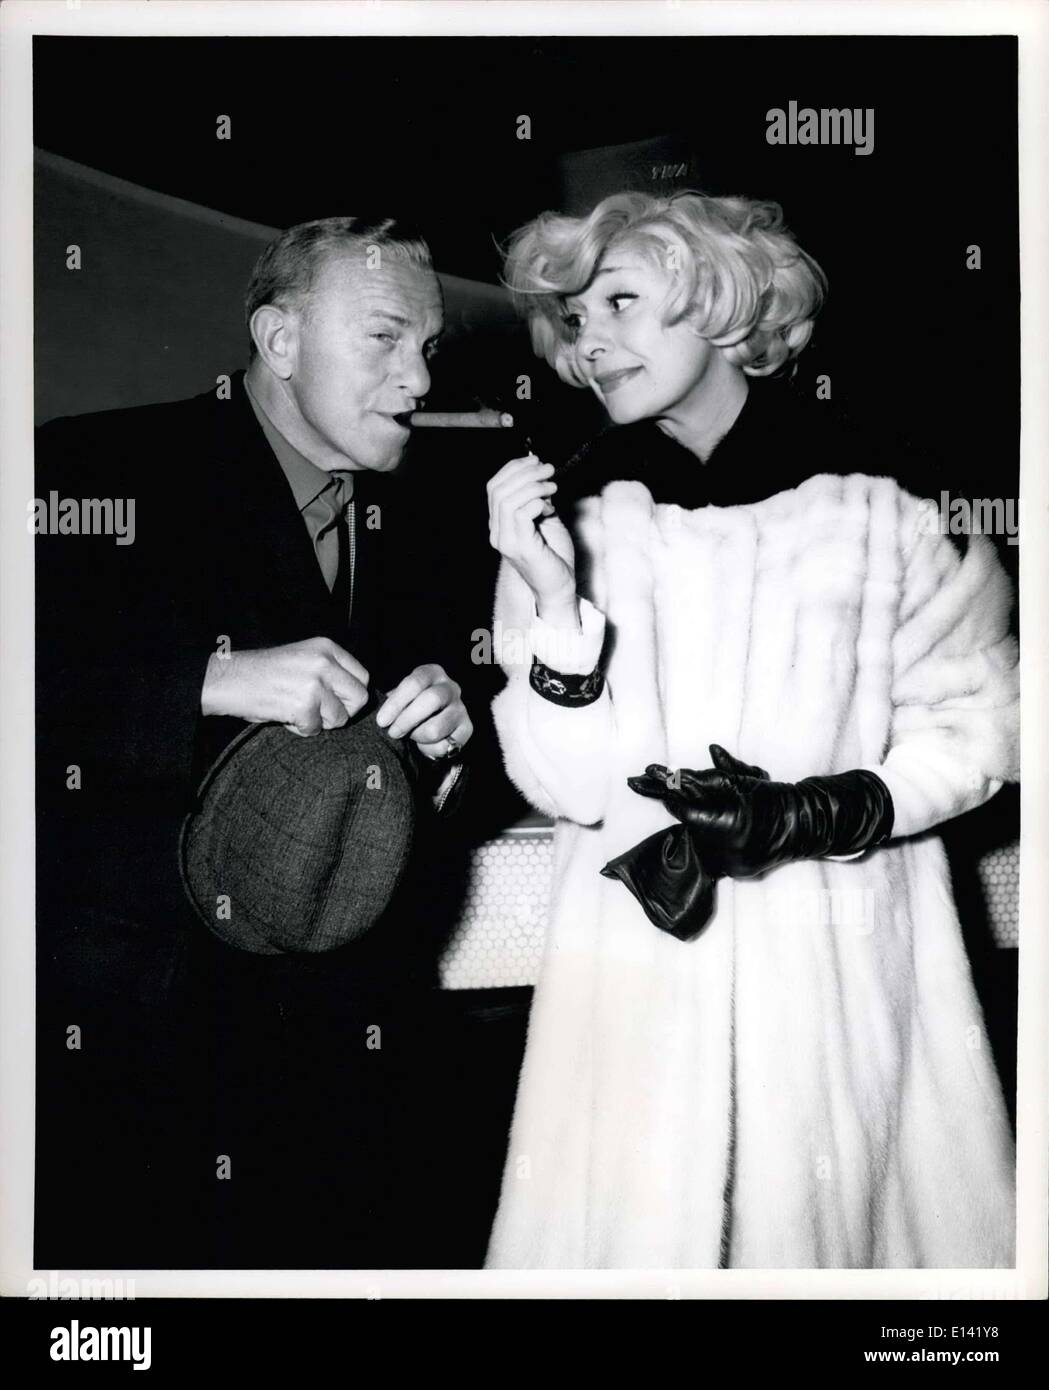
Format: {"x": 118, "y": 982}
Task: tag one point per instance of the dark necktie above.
{"x": 342, "y": 588}
{"x": 356, "y": 589}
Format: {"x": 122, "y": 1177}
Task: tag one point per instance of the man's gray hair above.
{"x": 287, "y": 270}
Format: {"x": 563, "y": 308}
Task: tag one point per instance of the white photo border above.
{"x": 20, "y": 20}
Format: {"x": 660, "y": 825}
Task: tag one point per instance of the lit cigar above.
{"x": 462, "y": 420}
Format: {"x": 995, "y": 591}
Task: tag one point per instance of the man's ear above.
{"x": 275, "y": 334}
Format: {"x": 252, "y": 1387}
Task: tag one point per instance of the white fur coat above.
{"x": 809, "y": 1083}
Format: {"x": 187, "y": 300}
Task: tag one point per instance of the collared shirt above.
{"x": 319, "y": 495}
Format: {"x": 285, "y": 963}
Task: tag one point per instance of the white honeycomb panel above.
{"x": 499, "y": 939}
{"x": 999, "y": 871}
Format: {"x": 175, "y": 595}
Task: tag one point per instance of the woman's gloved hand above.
{"x": 667, "y": 877}
{"x": 741, "y": 824}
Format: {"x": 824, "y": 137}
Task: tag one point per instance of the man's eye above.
{"x": 431, "y": 350}
{"x": 385, "y": 337}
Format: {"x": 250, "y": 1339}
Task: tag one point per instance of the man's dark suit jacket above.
{"x": 189, "y": 1050}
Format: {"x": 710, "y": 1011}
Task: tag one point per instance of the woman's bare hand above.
{"x": 524, "y": 528}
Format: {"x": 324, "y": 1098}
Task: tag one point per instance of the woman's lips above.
{"x": 613, "y": 380}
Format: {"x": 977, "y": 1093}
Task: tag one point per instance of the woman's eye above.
{"x": 616, "y": 299}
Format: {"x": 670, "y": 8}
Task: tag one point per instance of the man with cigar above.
{"x": 203, "y": 1101}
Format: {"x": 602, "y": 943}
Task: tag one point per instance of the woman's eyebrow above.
{"x": 605, "y": 270}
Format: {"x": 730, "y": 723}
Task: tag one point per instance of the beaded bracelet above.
{"x": 562, "y": 689}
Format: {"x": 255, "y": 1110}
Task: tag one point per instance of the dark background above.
{"x": 914, "y": 342}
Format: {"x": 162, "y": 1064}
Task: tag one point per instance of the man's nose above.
{"x": 416, "y": 378}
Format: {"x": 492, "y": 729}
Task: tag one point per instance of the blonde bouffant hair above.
{"x": 742, "y": 281}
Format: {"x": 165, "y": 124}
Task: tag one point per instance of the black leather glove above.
{"x": 742, "y": 824}
{"x": 667, "y": 877}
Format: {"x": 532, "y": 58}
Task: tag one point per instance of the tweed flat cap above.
{"x": 298, "y": 844}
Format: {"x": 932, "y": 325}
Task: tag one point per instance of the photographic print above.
{"x": 522, "y": 691}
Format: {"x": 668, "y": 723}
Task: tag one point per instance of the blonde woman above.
{"x": 756, "y": 681}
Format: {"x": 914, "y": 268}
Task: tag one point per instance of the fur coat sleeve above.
{"x": 955, "y": 679}
{"x": 553, "y": 753}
